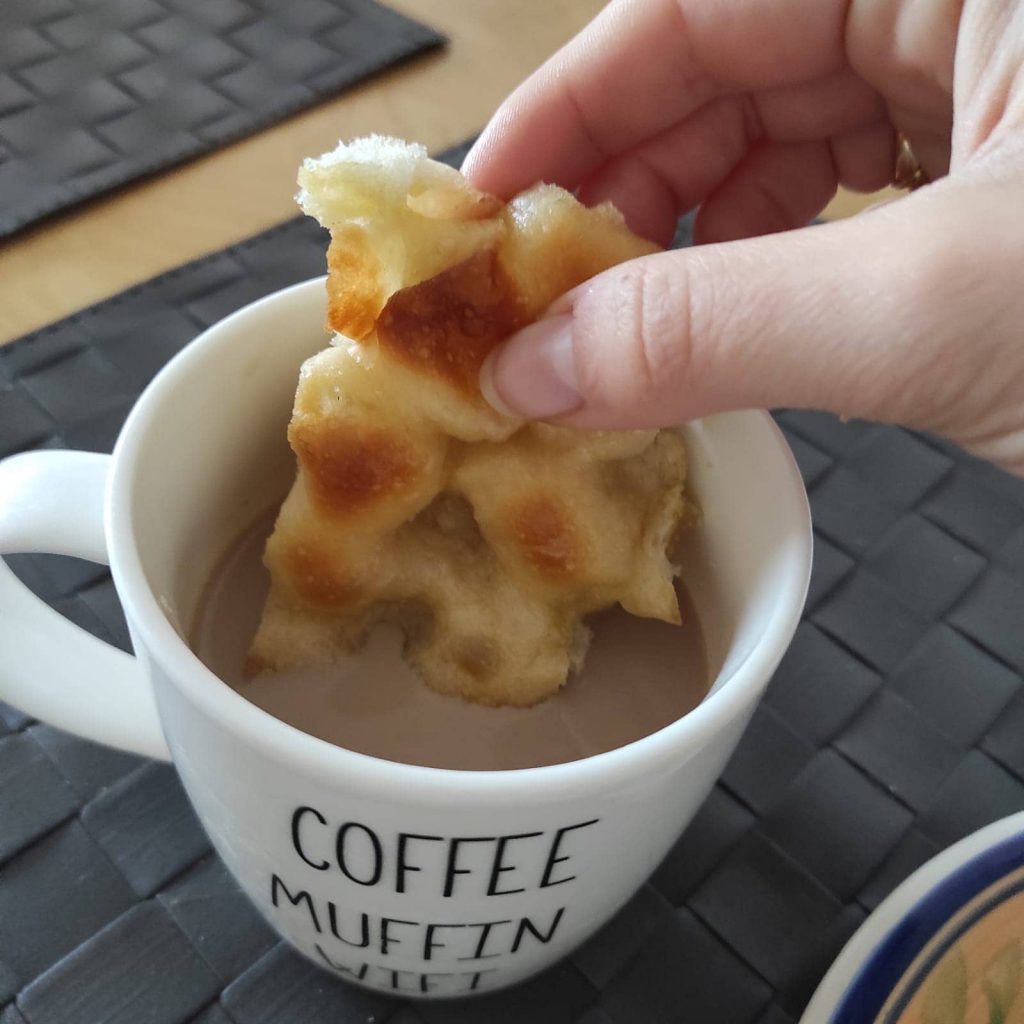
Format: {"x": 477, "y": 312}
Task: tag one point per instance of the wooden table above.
{"x": 95, "y": 251}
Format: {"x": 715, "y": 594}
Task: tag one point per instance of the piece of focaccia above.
{"x": 487, "y": 539}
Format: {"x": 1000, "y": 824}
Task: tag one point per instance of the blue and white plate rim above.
{"x": 884, "y": 946}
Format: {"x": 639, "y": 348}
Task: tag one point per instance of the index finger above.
{"x": 640, "y": 67}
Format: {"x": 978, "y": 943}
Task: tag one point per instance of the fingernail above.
{"x": 534, "y": 373}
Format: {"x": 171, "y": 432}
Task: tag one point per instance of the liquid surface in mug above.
{"x": 639, "y": 676}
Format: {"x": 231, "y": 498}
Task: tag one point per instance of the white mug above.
{"x": 407, "y": 879}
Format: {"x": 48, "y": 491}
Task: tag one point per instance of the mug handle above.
{"x": 52, "y": 502}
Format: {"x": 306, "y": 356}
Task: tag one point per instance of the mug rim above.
{"x": 210, "y": 695}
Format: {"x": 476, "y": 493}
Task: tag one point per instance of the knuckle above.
{"x": 641, "y": 318}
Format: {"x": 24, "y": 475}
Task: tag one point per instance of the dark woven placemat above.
{"x": 894, "y": 726}
{"x": 96, "y": 93}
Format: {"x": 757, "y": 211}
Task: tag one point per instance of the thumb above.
{"x": 855, "y": 317}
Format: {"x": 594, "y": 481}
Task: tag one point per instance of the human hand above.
{"x": 910, "y": 313}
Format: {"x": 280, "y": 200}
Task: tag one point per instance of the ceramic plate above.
{"x": 946, "y": 947}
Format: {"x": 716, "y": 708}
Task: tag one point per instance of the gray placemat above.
{"x": 96, "y": 93}
{"x": 893, "y": 727}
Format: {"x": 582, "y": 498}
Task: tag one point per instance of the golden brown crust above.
{"x": 315, "y": 579}
{"x": 542, "y": 526}
{"x": 351, "y": 466}
{"x": 448, "y": 325}
{"x": 355, "y": 295}
{"x": 486, "y": 539}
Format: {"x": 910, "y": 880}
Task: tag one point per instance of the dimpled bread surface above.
{"x": 485, "y": 538}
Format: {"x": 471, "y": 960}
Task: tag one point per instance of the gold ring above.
{"x": 907, "y": 173}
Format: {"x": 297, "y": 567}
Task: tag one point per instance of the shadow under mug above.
{"x": 418, "y": 880}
